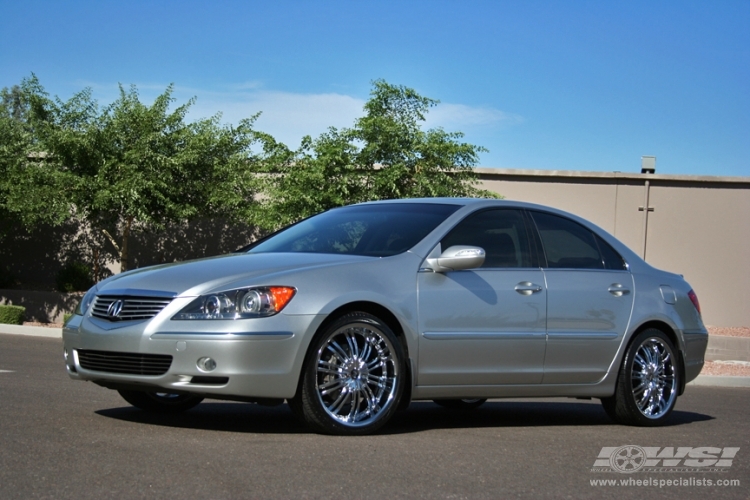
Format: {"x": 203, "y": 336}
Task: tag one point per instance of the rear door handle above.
{"x": 527, "y": 288}
{"x": 618, "y": 290}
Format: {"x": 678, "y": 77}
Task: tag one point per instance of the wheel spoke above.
{"x": 340, "y": 401}
{"x": 328, "y": 368}
{"x": 353, "y": 349}
{"x": 366, "y": 350}
{"x": 337, "y": 351}
{"x": 640, "y": 388}
{"x": 331, "y": 385}
{"x": 375, "y": 363}
{"x": 372, "y": 401}
{"x": 354, "y": 408}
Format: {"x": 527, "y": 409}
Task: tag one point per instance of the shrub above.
{"x": 74, "y": 277}
{"x": 66, "y": 317}
{"x": 12, "y": 315}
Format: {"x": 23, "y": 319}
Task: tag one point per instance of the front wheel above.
{"x": 160, "y": 402}
{"x": 353, "y": 377}
{"x": 460, "y": 404}
{"x": 648, "y": 381}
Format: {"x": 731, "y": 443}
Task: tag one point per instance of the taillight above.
{"x": 694, "y": 300}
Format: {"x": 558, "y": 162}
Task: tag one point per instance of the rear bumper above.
{"x": 696, "y": 342}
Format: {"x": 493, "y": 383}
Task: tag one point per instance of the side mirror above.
{"x": 456, "y": 258}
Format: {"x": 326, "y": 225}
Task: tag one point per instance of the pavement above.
{"x": 719, "y": 348}
{"x": 64, "y": 439}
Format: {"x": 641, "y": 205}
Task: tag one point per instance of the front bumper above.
{"x": 255, "y": 358}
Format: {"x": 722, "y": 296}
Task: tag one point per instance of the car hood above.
{"x": 205, "y": 275}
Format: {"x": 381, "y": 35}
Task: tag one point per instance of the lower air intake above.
{"x": 124, "y": 362}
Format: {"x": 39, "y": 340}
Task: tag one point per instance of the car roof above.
{"x": 464, "y": 202}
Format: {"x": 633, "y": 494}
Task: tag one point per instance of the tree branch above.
{"x": 114, "y": 243}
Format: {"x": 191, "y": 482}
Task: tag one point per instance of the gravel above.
{"x": 724, "y": 368}
{"x": 733, "y": 331}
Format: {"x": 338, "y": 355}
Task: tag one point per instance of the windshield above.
{"x": 372, "y": 230}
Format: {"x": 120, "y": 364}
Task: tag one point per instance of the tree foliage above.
{"x": 385, "y": 155}
{"x": 31, "y": 192}
{"x": 132, "y": 166}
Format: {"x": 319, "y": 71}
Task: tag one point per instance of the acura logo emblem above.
{"x": 114, "y": 309}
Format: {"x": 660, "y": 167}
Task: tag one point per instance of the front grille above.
{"x": 124, "y": 362}
{"x": 128, "y": 308}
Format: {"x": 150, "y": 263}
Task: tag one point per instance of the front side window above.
{"x": 568, "y": 244}
{"x": 371, "y": 230}
{"x": 500, "y": 232}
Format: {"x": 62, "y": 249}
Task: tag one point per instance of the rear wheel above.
{"x": 353, "y": 377}
{"x": 160, "y": 402}
{"x": 648, "y": 381}
{"x": 460, "y": 404}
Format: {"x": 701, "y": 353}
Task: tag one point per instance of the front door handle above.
{"x": 618, "y": 290}
{"x": 527, "y": 288}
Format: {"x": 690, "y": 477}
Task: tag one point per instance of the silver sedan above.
{"x": 353, "y": 313}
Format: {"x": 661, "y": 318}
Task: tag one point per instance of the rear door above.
{"x": 589, "y": 300}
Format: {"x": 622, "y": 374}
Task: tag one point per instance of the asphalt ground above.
{"x": 61, "y": 438}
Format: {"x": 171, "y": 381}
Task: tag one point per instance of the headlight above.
{"x": 86, "y": 301}
{"x": 239, "y": 304}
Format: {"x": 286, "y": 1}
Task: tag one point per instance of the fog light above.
{"x": 206, "y": 364}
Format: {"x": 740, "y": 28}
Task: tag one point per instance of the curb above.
{"x": 728, "y": 348}
{"x": 33, "y": 331}
{"x": 720, "y": 381}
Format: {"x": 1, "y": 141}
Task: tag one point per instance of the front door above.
{"x": 484, "y": 326}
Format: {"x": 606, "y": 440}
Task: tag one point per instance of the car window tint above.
{"x": 501, "y": 233}
{"x": 567, "y": 244}
{"x": 612, "y": 259}
{"x": 373, "y": 230}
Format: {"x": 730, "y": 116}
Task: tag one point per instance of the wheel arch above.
{"x": 373, "y": 308}
{"x": 393, "y": 323}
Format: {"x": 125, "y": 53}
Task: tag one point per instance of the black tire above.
{"x": 460, "y": 404}
{"x": 160, "y": 402}
{"x": 353, "y": 377}
{"x": 648, "y": 381}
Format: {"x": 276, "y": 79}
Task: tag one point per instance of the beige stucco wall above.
{"x": 704, "y": 233}
{"x": 700, "y": 226}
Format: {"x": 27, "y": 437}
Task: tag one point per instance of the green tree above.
{"x": 385, "y": 155}
{"x": 134, "y": 166}
{"x": 31, "y": 190}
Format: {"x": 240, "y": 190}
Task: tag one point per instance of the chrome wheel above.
{"x": 653, "y": 378}
{"x": 357, "y": 374}
{"x": 648, "y": 381}
{"x": 353, "y": 377}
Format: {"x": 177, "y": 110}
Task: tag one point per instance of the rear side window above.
{"x": 569, "y": 245}
{"x": 612, "y": 259}
{"x": 500, "y": 232}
